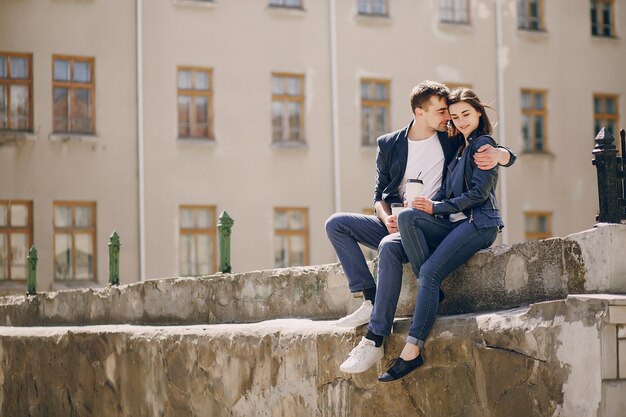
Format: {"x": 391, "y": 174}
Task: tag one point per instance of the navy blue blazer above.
{"x": 470, "y": 190}
{"x": 391, "y": 157}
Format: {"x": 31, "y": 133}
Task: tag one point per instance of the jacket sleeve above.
{"x": 481, "y": 183}
{"x": 383, "y": 173}
{"x": 513, "y": 156}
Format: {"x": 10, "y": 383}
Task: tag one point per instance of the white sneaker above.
{"x": 359, "y": 317}
{"x": 362, "y": 357}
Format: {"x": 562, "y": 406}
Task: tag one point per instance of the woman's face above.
{"x": 464, "y": 117}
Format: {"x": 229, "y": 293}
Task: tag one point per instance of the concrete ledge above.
{"x": 494, "y": 279}
{"x": 525, "y": 362}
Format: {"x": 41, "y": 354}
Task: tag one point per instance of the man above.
{"x": 422, "y": 148}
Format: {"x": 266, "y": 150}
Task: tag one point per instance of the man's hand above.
{"x": 391, "y": 223}
{"x": 423, "y": 203}
{"x": 487, "y": 157}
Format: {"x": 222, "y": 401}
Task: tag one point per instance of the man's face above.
{"x": 435, "y": 113}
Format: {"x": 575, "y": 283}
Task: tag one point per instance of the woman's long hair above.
{"x": 468, "y": 96}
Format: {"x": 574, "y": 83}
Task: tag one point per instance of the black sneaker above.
{"x": 401, "y": 368}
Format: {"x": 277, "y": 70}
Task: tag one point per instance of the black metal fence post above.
{"x": 610, "y": 177}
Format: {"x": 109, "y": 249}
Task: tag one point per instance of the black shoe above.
{"x": 401, "y": 368}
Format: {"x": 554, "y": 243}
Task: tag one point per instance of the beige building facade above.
{"x": 152, "y": 117}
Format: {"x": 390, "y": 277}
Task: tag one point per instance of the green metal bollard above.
{"x": 31, "y": 282}
{"x": 224, "y": 226}
{"x": 114, "y": 258}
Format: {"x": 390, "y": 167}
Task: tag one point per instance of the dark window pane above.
{"x": 184, "y": 119}
{"x": 4, "y": 117}
{"x": 81, "y": 111}
{"x": 19, "y": 107}
{"x": 202, "y": 117}
{"x": 60, "y": 110}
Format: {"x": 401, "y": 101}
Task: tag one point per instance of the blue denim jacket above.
{"x": 470, "y": 190}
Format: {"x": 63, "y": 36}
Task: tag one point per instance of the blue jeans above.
{"x": 435, "y": 248}
{"x": 345, "y": 231}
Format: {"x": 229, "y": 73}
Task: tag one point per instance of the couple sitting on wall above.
{"x": 447, "y": 144}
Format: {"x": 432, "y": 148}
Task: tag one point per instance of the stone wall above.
{"x": 260, "y": 343}
{"x": 497, "y": 278}
{"x": 542, "y": 360}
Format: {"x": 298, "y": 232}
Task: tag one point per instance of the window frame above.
{"x": 73, "y": 230}
{"x": 533, "y": 112}
{"x": 74, "y": 85}
{"x": 525, "y": 24}
{"x": 613, "y": 33}
{"x": 535, "y": 215}
{"x": 10, "y": 229}
{"x": 283, "y": 98}
{"x": 293, "y": 232}
{"x": 608, "y": 116}
{"x": 210, "y": 231}
{"x": 375, "y": 104}
{"x": 455, "y": 10}
{"x": 196, "y": 93}
{"x": 8, "y": 81}
{"x": 368, "y": 5}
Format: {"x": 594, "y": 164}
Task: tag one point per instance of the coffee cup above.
{"x": 396, "y": 208}
{"x": 413, "y": 189}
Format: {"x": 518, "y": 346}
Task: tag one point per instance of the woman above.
{"x": 441, "y": 233}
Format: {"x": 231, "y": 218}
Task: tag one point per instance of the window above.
{"x": 534, "y": 116}
{"x": 602, "y": 12}
{"x": 74, "y": 241}
{"x": 197, "y": 240}
{"x": 296, "y": 4}
{"x": 73, "y": 94}
{"x": 373, "y": 7}
{"x": 374, "y": 110}
{"x": 538, "y": 225}
{"x": 16, "y": 237}
{"x": 195, "y": 103}
{"x": 530, "y": 14}
{"x": 287, "y": 108}
{"x": 606, "y": 113}
{"x": 454, "y": 11}
{"x": 16, "y": 91}
{"x": 291, "y": 237}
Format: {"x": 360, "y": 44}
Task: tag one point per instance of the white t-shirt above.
{"x": 425, "y": 159}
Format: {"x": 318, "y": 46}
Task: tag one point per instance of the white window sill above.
{"x": 289, "y": 145}
{"x": 198, "y": 141}
{"x": 608, "y": 39}
{"x": 286, "y": 11}
{"x": 373, "y": 19}
{"x": 195, "y": 3}
{"x": 533, "y": 34}
{"x": 459, "y": 26}
{"x": 74, "y": 137}
{"x": 9, "y": 137}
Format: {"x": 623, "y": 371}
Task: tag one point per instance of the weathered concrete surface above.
{"x": 497, "y": 278}
{"x": 537, "y": 361}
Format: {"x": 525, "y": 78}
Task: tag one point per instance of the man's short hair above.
{"x": 422, "y": 93}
